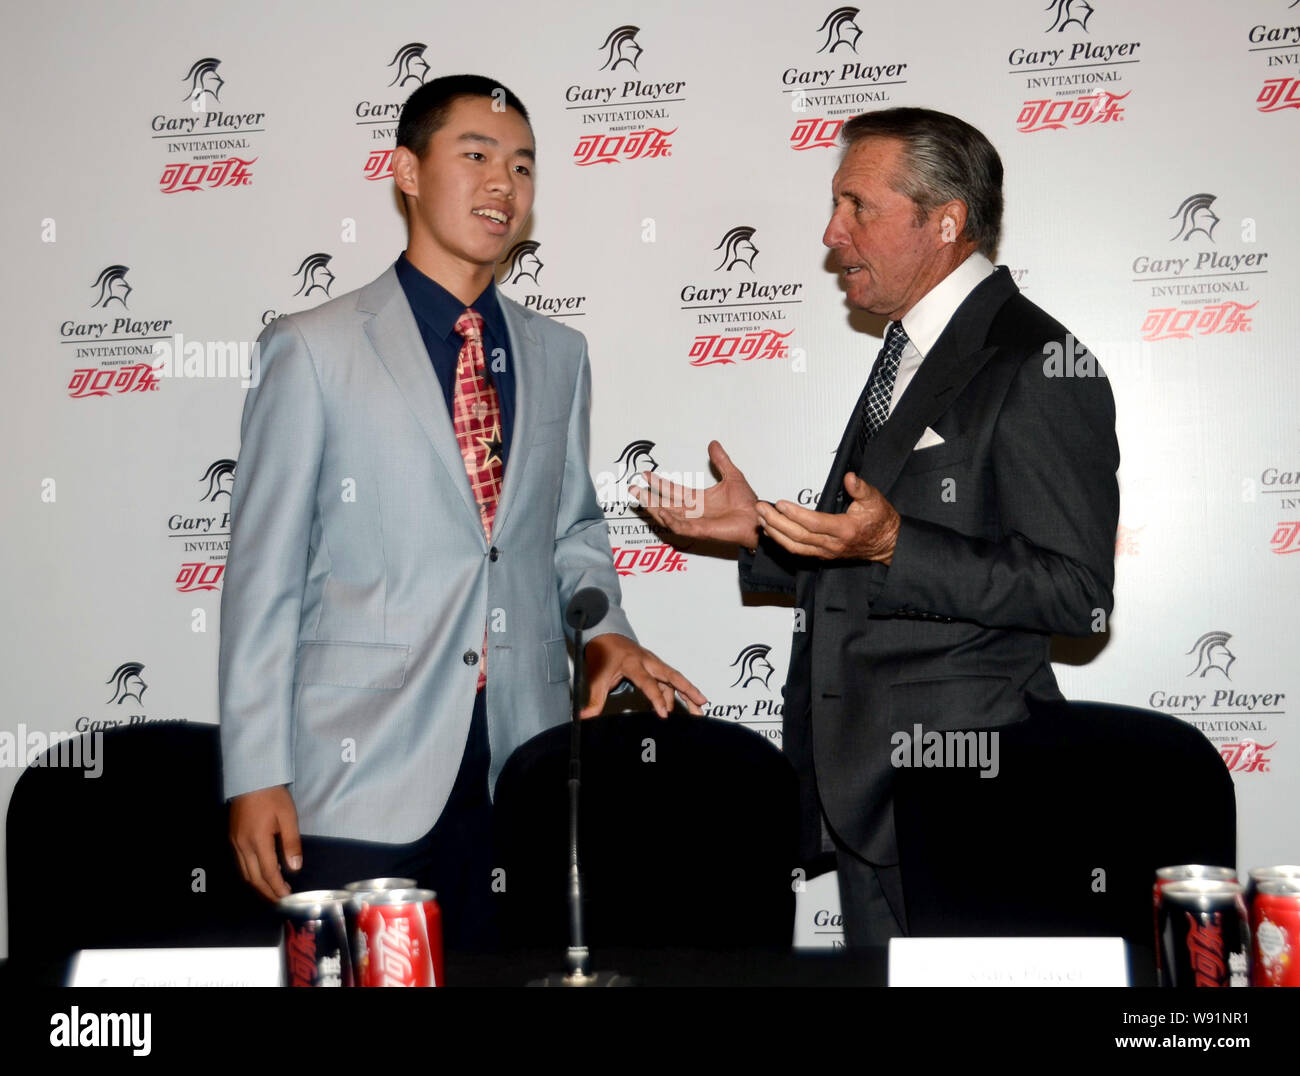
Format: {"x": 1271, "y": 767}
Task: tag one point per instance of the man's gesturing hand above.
{"x": 724, "y": 512}
{"x": 612, "y": 658}
{"x": 868, "y": 530}
{"x": 255, "y": 819}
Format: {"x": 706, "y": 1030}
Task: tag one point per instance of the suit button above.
{"x": 494, "y": 554}
{"x": 470, "y": 657}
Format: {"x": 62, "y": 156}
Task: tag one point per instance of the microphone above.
{"x": 587, "y": 607}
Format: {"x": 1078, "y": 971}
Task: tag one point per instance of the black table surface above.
{"x": 647, "y": 967}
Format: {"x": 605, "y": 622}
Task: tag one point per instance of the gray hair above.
{"x": 945, "y": 159}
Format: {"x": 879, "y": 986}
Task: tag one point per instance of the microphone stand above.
{"x": 577, "y": 957}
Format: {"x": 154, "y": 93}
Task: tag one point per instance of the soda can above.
{"x": 1204, "y": 936}
{"x": 1284, "y": 871}
{"x": 360, "y": 948}
{"x": 376, "y": 885}
{"x": 399, "y": 937}
{"x": 1275, "y": 927}
{"x": 315, "y": 947}
{"x": 1181, "y": 873}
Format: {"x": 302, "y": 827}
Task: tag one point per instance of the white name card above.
{"x": 254, "y": 966}
{"x": 1007, "y": 962}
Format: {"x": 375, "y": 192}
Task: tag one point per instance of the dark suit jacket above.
{"x": 1008, "y": 536}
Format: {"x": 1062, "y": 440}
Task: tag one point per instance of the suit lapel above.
{"x": 393, "y": 333}
{"x": 833, "y": 498}
{"x": 957, "y": 356}
{"x": 528, "y": 353}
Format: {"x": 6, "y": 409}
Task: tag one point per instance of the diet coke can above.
{"x": 315, "y": 949}
{"x": 1181, "y": 873}
{"x": 399, "y": 937}
{"x": 1275, "y": 927}
{"x": 1204, "y": 938}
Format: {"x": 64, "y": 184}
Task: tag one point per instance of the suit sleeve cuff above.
{"x": 767, "y": 570}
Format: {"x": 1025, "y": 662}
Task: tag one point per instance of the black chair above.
{"x": 688, "y": 829}
{"x": 1090, "y": 800}
{"x": 135, "y": 858}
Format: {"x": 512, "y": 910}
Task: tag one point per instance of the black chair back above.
{"x": 1090, "y": 799}
{"x": 136, "y": 857}
{"x": 688, "y": 829}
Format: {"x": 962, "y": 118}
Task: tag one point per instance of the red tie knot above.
{"x": 469, "y": 326}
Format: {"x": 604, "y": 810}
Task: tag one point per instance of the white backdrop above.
{"x": 175, "y": 169}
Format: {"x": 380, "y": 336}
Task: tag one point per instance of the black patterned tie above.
{"x": 880, "y": 386}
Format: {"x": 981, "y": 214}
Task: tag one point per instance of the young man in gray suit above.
{"x": 970, "y": 512}
{"x": 412, "y": 511}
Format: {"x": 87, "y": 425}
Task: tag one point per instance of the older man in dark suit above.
{"x": 970, "y": 512}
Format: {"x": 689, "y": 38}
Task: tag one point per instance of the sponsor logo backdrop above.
{"x": 184, "y": 188}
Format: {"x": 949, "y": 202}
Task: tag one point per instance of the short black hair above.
{"x": 944, "y": 158}
{"x": 426, "y": 109}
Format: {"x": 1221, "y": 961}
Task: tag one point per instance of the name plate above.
{"x": 1007, "y": 962}
{"x": 254, "y": 966}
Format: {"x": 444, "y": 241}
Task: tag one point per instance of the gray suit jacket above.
{"x": 359, "y": 581}
{"x": 1007, "y": 536}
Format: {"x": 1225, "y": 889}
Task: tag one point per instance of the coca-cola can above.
{"x": 315, "y": 948}
{"x": 1275, "y": 928}
{"x": 398, "y": 937}
{"x": 1281, "y": 872}
{"x": 378, "y": 885}
{"x": 1181, "y": 873}
{"x": 1204, "y": 936}
{"x": 360, "y": 948}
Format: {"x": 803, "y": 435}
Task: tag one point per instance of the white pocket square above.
{"x": 928, "y": 440}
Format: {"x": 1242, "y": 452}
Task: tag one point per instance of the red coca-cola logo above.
{"x": 393, "y": 952}
{"x": 1205, "y": 948}
{"x": 301, "y": 953}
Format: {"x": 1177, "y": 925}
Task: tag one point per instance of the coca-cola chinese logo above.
{"x": 1170, "y": 323}
{"x": 1048, "y": 115}
{"x": 815, "y": 133}
{"x": 1205, "y": 949}
{"x": 1278, "y": 94}
{"x": 1246, "y": 756}
{"x": 712, "y": 349}
{"x": 393, "y": 953}
{"x": 1286, "y": 538}
{"x": 207, "y": 175}
{"x": 613, "y": 148}
{"x": 648, "y": 559}
{"x": 196, "y": 576}
{"x": 300, "y": 953}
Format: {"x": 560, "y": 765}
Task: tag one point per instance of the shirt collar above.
{"x": 930, "y": 316}
{"x": 440, "y": 310}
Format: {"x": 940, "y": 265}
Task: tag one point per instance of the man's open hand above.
{"x": 868, "y": 530}
{"x": 255, "y": 820}
{"x": 723, "y": 512}
{"x": 613, "y": 658}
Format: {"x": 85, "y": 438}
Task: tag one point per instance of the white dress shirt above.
{"x": 925, "y": 322}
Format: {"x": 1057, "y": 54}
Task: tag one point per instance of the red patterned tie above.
{"x": 476, "y": 416}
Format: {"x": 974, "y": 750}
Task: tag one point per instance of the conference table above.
{"x": 658, "y": 967}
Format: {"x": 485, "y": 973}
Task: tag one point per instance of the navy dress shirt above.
{"x": 436, "y": 313}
